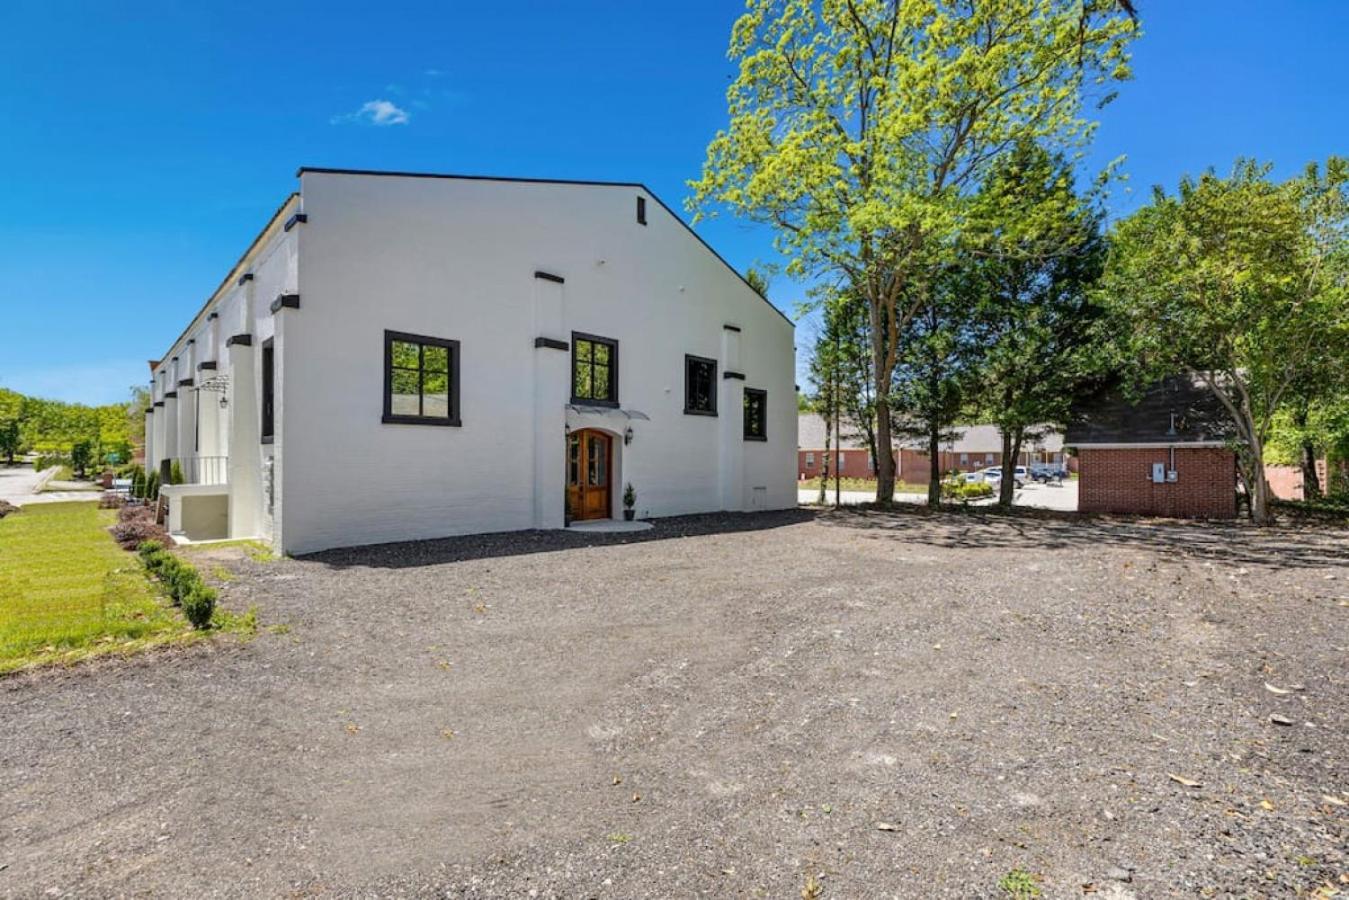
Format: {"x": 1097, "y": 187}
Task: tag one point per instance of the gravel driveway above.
{"x": 900, "y": 704}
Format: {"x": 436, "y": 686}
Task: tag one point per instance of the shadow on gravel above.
{"x": 1240, "y": 544}
{"x": 406, "y": 554}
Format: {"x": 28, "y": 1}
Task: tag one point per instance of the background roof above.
{"x": 1177, "y": 410}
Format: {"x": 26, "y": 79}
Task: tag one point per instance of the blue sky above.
{"x": 143, "y": 144}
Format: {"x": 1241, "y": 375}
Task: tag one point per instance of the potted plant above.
{"x": 629, "y": 501}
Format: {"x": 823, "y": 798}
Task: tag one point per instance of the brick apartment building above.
{"x": 974, "y": 447}
{"x": 1164, "y": 455}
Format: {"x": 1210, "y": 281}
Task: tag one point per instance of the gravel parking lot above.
{"x": 854, "y": 703}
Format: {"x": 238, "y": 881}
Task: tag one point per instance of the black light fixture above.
{"x": 627, "y": 436}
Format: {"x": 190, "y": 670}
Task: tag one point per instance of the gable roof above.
{"x": 321, "y": 170}
{"x": 969, "y": 438}
{"x": 1177, "y": 410}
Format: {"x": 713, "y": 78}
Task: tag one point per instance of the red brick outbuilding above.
{"x": 1165, "y": 453}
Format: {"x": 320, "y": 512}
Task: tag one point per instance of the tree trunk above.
{"x": 1311, "y": 482}
{"x": 1011, "y": 447}
{"x": 885, "y": 462}
{"x": 934, "y": 464}
{"x": 824, "y": 463}
{"x": 1259, "y": 485}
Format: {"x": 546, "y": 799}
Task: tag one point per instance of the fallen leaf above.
{"x": 1183, "y": 781}
{"x": 1276, "y": 690}
{"x": 1280, "y": 720}
{"x": 618, "y": 779}
{"x": 1333, "y": 801}
{"x": 636, "y": 798}
{"x": 886, "y": 826}
{"x": 1266, "y": 805}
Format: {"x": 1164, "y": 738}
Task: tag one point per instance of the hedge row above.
{"x": 184, "y": 584}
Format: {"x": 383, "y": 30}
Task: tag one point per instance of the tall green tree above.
{"x": 1243, "y": 283}
{"x": 1036, "y": 317}
{"x": 932, "y": 379}
{"x": 859, "y": 128}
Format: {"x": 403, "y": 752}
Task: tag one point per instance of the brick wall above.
{"x": 855, "y": 464}
{"x": 1120, "y": 481}
{"x": 1286, "y": 481}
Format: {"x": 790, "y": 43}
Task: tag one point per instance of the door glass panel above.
{"x": 574, "y": 460}
{"x": 596, "y": 461}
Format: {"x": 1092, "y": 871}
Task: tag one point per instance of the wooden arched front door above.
{"x": 590, "y": 456}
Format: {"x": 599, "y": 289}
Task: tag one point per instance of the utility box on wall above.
{"x": 1158, "y": 473}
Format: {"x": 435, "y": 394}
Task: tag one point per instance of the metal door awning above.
{"x": 607, "y": 411}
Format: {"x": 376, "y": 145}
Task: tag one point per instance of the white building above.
{"x": 402, "y": 356}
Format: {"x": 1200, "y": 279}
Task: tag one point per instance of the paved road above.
{"x": 1042, "y": 496}
{"x": 17, "y": 483}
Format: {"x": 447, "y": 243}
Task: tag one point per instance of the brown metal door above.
{"x": 589, "y": 460}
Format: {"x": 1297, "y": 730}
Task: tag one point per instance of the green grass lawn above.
{"x": 860, "y": 484}
{"x": 67, "y": 591}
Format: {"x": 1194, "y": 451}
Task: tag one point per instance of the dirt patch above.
{"x": 880, "y": 703}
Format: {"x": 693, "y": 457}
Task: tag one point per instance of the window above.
{"x": 594, "y": 370}
{"x": 756, "y": 415}
{"x": 268, "y": 392}
{"x": 700, "y": 386}
{"x": 641, "y": 210}
{"x": 810, "y": 460}
{"x": 964, "y": 459}
{"x": 988, "y": 458}
{"x": 421, "y": 380}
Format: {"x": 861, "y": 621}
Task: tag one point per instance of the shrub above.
{"x": 181, "y": 579}
{"x": 6, "y": 508}
{"x": 111, "y": 500}
{"x": 149, "y": 548}
{"x": 152, "y": 486}
{"x": 176, "y": 473}
{"x": 198, "y": 604}
{"x": 130, "y": 532}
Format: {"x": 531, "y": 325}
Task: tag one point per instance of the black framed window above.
{"x": 594, "y": 370}
{"x": 641, "y": 210}
{"x": 421, "y": 380}
{"x": 700, "y": 386}
{"x": 268, "y": 391}
{"x": 756, "y": 414}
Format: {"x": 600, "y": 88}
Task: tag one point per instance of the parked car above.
{"x": 993, "y": 475}
{"x": 1047, "y": 472}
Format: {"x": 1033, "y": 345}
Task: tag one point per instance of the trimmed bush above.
{"x": 182, "y": 581}
{"x": 6, "y": 508}
{"x": 111, "y": 500}
{"x": 199, "y": 604}
{"x": 131, "y": 533}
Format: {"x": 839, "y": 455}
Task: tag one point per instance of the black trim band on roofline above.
{"x": 738, "y": 376}
{"x": 551, "y": 343}
{"x": 285, "y": 301}
{"x": 171, "y": 395}
{"x": 735, "y": 328}
{"x": 243, "y": 340}
{"x": 549, "y": 276}
{"x": 202, "y": 366}
{"x": 159, "y": 403}
{"x": 247, "y": 276}
{"x": 212, "y": 316}
{"x": 185, "y": 382}
{"x": 321, "y": 170}
{"x": 297, "y": 219}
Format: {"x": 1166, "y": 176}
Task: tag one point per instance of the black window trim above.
{"x": 613, "y": 369}
{"x": 641, "y": 210}
{"x": 712, "y": 392}
{"x": 267, "y": 386}
{"x": 453, "y": 420}
{"x": 763, "y": 397}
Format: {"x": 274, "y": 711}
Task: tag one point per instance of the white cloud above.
{"x": 375, "y": 112}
